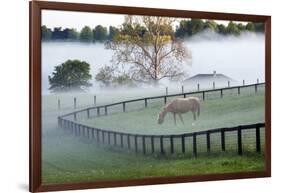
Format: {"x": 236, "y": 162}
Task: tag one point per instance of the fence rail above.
{"x": 163, "y": 144}
{"x": 145, "y": 99}
{"x": 144, "y": 143}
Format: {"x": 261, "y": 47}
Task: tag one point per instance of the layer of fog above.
{"x": 240, "y": 58}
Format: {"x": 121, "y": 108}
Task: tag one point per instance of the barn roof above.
{"x": 202, "y": 77}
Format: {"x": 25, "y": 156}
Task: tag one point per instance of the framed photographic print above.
{"x": 123, "y": 96}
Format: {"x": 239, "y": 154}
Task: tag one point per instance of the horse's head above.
{"x": 161, "y": 117}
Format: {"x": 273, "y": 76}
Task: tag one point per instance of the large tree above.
{"x": 46, "y": 33}
{"x": 86, "y": 34}
{"x": 233, "y": 29}
{"x": 100, "y": 33}
{"x": 147, "y": 50}
{"x": 113, "y": 31}
{"x": 72, "y": 75}
{"x": 250, "y": 27}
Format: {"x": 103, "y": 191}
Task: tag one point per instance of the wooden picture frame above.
{"x": 36, "y": 8}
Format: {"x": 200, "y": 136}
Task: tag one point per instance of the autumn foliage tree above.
{"x": 147, "y": 50}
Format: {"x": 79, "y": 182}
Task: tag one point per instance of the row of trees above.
{"x": 99, "y": 33}
{"x": 145, "y": 50}
{"x": 186, "y": 28}
{"x": 191, "y": 27}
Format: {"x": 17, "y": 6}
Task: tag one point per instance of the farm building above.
{"x": 207, "y": 80}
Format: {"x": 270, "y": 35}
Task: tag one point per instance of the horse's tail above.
{"x": 198, "y": 110}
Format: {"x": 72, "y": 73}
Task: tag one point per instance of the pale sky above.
{"x": 77, "y": 20}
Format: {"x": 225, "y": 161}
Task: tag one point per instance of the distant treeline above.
{"x": 186, "y": 28}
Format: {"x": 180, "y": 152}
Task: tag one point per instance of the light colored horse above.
{"x": 179, "y": 106}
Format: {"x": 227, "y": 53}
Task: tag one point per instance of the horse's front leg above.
{"x": 175, "y": 118}
{"x": 181, "y": 118}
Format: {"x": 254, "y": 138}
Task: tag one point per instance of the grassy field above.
{"x": 70, "y": 159}
{"x": 226, "y": 112}
{"x": 67, "y": 159}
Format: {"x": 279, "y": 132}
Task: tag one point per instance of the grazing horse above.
{"x": 179, "y": 106}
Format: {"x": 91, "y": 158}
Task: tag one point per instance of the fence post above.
{"x": 198, "y": 87}
{"x": 103, "y": 137}
{"x": 258, "y": 139}
{"x": 194, "y": 144}
{"x": 228, "y": 83}
{"x": 93, "y": 134}
{"x": 75, "y": 117}
{"x": 183, "y": 144}
{"x": 256, "y": 87}
{"x": 88, "y": 132}
{"x": 75, "y": 130}
{"x": 105, "y": 110}
{"x": 208, "y": 142}
{"x": 239, "y": 139}
{"x": 59, "y": 104}
{"x": 98, "y": 136}
{"x": 143, "y": 145}
{"x": 121, "y": 140}
{"x": 124, "y": 106}
{"x": 95, "y": 100}
{"x": 71, "y": 125}
{"x": 167, "y": 91}
{"x": 98, "y": 111}
{"x": 59, "y": 121}
{"x": 152, "y": 144}
{"x": 108, "y": 138}
{"x": 136, "y": 143}
{"x": 214, "y": 85}
{"x": 161, "y": 145}
{"x": 239, "y": 90}
{"x": 222, "y": 140}
{"x": 165, "y": 99}
{"x": 172, "y": 144}
{"x": 203, "y": 93}
{"x": 114, "y": 139}
{"x": 128, "y": 142}
{"x": 83, "y": 131}
{"x": 72, "y": 128}
{"x": 145, "y": 102}
{"x": 221, "y": 93}
{"x": 184, "y": 95}
{"x": 75, "y": 103}
{"x": 243, "y": 82}
{"x": 64, "y": 124}
{"x": 79, "y": 126}
{"x": 88, "y": 113}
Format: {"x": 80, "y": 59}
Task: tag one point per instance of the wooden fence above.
{"x": 165, "y": 144}
{"x": 123, "y": 104}
{"x": 160, "y": 143}
{"x": 182, "y": 93}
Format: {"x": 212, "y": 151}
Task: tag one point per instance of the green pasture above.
{"x": 68, "y": 159}
{"x": 215, "y": 113}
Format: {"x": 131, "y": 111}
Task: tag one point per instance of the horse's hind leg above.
{"x": 175, "y": 118}
{"x": 181, "y": 118}
{"x": 194, "y": 115}
{"x": 194, "y": 118}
